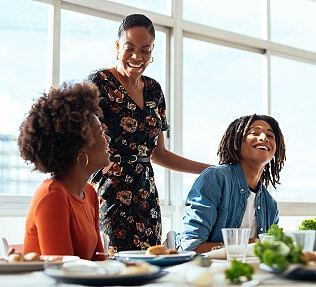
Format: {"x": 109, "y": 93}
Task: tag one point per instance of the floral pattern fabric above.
{"x": 129, "y": 203}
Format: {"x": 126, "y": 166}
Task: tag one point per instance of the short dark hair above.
{"x": 136, "y": 20}
{"x": 58, "y": 125}
{"x": 230, "y": 145}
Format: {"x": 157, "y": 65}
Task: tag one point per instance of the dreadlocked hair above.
{"x": 230, "y": 145}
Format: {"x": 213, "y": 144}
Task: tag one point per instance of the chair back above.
{"x": 4, "y": 247}
{"x": 170, "y": 241}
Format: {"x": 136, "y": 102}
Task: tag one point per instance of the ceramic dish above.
{"x": 92, "y": 275}
{"x": 160, "y": 260}
{"x": 294, "y": 271}
{"x": 47, "y": 260}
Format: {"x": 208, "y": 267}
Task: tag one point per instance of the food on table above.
{"x": 137, "y": 268}
{"x": 160, "y": 250}
{"x": 13, "y": 257}
{"x": 308, "y": 224}
{"x": 32, "y": 256}
{"x": 172, "y": 251}
{"x": 239, "y": 272}
{"x": 280, "y": 251}
{"x": 156, "y": 250}
{"x": 197, "y": 272}
{"x": 108, "y": 267}
{"x": 309, "y": 256}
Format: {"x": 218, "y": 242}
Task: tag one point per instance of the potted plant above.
{"x": 308, "y": 224}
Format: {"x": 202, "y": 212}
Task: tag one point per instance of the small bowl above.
{"x": 265, "y": 237}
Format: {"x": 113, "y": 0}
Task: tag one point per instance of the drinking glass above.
{"x": 236, "y": 242}
{"x": 304, "y": 237}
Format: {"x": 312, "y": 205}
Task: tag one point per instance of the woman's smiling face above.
{"x": 98, "y": 153}
{"x": 134, "y": 50}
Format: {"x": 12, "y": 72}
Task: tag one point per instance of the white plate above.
{"x": 294, "y": 271}
{"x": 102, "y": 274}
{"x": 160, "y": 260}
{"x": 15, "y": 267}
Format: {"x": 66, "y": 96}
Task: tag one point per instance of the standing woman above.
{"x": 63, "y": 136}
{"x": 135, "y": 114}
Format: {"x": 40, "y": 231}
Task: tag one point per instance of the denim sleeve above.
{"x": 200, "y": 213}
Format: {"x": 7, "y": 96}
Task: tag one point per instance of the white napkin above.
{"x": 221, "y": 254}
{"x": 83, "y": 266}
{"x": 196, "y": 275}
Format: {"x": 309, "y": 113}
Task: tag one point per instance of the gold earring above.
{"x": 86, "y": 159}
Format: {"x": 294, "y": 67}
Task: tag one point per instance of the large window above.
{"x": 246, "y": 17}
{"x": 297, "y": 26}
{"x": 23, "y": 59}
{"x": 229, "y": 85}
{"x": 215, "y": 60}
{"x": 161, "y": 6}
{"x": 87, "y": 43}
{"x": 293, "y": 102}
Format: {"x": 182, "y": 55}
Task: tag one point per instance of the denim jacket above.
{"x": 218, "y": 199}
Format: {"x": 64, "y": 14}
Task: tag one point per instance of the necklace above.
{"x": 121, "y": 80}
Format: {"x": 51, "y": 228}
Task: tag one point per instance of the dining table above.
{"x": 178, "y": 275}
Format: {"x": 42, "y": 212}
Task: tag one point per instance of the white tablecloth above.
{"x": 175, "y": 278}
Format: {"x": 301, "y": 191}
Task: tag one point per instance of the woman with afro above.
{"x": 62, "y": 136}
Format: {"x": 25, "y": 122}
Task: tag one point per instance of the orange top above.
{"x": 60, "y": 223}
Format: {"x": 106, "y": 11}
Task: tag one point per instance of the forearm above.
{"x": 170, "y": 160}
{"x": 175, "y": 162}
{"x": 253, "y": 240}
{"x": 209, "y": 246}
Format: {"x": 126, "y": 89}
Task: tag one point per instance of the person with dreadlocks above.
{"x": 234, "y": 193}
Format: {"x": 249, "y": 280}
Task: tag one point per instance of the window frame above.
{"x": 175, "y": 28}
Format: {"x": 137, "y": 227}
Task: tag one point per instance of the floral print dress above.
{"x": 129, "y": 204}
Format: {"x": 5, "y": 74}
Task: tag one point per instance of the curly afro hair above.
{"x": 230, "y": 145}
{"x": 58, "y": 125}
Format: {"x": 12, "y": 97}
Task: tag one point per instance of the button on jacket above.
{"x": 217, "y": 200}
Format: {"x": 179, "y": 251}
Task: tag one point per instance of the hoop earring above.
{"x": 86, "y": 159}
{"x": 152, "y": 59}
{"x": 117, "y": 58}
